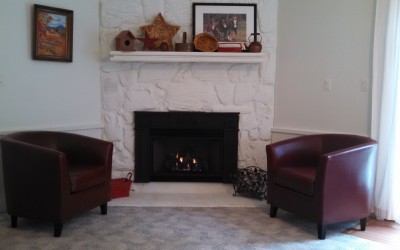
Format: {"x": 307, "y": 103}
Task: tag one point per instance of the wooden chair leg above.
{"x": 58, "y": 229}
{"x": 103, "y": 209}
{"x": 14, "y": 221}
{"x": 273, "y": 211}
{"x": 321, "y": 232}
{"x": 363, "y": 223}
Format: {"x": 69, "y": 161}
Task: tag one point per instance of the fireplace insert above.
{"x": 185, "y": 146}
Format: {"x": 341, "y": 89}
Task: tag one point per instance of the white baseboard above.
{"x": 280, "y": 134}
{"x": 74, "y": 128}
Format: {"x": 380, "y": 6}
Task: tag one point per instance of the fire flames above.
{"x": 186, "y": 163}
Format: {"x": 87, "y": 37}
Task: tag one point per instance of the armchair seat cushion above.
{"x": 299, "y": 179}
{"x": 85, "y": 176}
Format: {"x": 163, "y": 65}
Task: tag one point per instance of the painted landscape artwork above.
{"x": 52, "y": 34}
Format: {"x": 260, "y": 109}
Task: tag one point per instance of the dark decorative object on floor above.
{"x": 251, "y": 180}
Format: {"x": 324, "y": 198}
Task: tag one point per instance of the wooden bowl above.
{"x": 205, "y": 42}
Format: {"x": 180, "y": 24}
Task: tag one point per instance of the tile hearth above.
{"x": 173, "y": 194}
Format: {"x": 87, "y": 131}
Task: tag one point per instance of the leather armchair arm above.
{"x": 34, "y": 173}
{"x": 343, "y": 178}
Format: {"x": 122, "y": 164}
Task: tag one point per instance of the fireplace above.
{"x": 185, "y": 146}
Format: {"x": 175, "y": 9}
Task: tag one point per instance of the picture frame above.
{"x": 228, "y": 22}
{"x": 52, "y": 33}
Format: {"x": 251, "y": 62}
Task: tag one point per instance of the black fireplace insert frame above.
{"x": 151, "y": 124}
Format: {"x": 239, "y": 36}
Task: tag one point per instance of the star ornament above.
{"x": 148, "y": 43}
{"x": 161, "y": 30}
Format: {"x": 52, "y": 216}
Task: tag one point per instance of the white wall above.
{"x": 42, "y": 94}
{"x": 317, "y": 40}
{"x": 48, "y": 95}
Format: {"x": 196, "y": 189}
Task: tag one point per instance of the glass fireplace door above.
{"x": 186, "y": 158}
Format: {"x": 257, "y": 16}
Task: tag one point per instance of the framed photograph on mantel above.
{"x": 228, "y": 22}
{"x": 52, "y": 33}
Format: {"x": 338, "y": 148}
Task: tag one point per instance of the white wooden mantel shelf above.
{"x": 171, "y": 56}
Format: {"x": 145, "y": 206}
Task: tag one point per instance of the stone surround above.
{"x": 208, "y": 87}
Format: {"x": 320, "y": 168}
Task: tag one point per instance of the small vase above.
{"x": 255, "y": 46}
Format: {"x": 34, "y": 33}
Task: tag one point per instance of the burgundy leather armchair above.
{"x": 327, "y": 178}
{"x": 55, "y": 175}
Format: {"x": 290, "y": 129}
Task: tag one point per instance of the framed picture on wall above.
{"x": 52, "y": 33}
{"x": 227, "y": 22}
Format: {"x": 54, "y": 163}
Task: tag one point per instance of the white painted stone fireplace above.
{"x": 246, "y": 88}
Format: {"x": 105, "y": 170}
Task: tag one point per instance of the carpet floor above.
{"x": 180, "y": 228}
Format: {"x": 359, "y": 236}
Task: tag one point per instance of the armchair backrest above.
{"x": 41, "y": 138}
{"x": 334, "y": 142}
{"x": 306, "y": 152}
{"x": 71, "y": 144}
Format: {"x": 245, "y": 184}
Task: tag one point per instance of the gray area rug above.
{"x": 179, "y": 228}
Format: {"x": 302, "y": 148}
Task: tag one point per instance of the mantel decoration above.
{"x": 161, "y": 30}
{"x": 205, "y": 42}
{"x": 254, "y": 46}
{"x": 229, "y": 23}
{"x": 52, "y": 33}
{"x": 184, "y": 46}
{"x": 148, "y": 43}
{"x": 125, "y": 41}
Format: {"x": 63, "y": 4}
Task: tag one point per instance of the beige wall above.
{"x": 320, "y": 40}
{"x": 42, "y": 94}
{"x": 48, "y": 95}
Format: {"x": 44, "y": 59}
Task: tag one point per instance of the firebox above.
{"x": 185, "y": 146}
